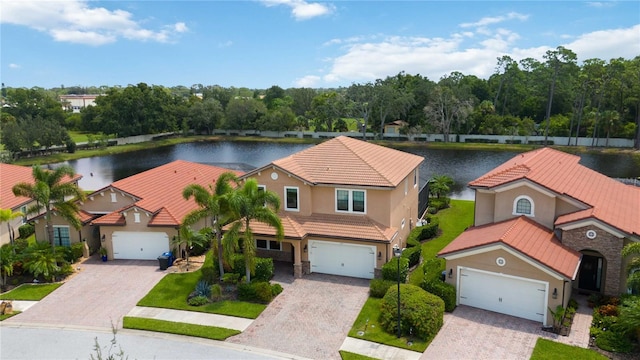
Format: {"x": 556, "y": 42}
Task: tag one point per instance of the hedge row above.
{"x": 444, "y": 291}
{"x": 423, "y": 232}
{"x": 390, "y": 269}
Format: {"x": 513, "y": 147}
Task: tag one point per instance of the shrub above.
{"x": 65, "y": 252}
{"x": 216, "y": 292}
{"x": 26, "y": 230}
{"x": 629, "y": 321}
{"x": 613, "y": 341}
{"x": 379, "y": 287}
{"x": 276, "y": 289}
{"x": 439, "y": 203}
{"x": 264, "y": 293}
{"x": 198, "y": 248}
{"x": 432, "y": 269}
{"x": 444, "y": 291}
{"x": 198, "y": 301}
{"x": 237, "y": 264}
{"x": 264, "y": 269}
{"x": 230, "y": 278}
{"x": 608, "y": 310}
{"x": 413, "y": 254}
{"x": 77, "y": 250}
{"x": 20, "y": 245}
{"x": 246, "y": 292}
{"x": 209, "y": 274}
{"x": 203, "y": 289}
{"x": 390, "y": 269}
{"x": 64, "y": 271}
{"x": 573, "y": 304}
{"x": 428, "y": 230}
{"x": 421, "y": 313}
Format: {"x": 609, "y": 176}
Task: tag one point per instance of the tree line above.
{"x": 553, "y": 97}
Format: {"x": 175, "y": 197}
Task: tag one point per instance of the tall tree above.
{"x": 213, "y": 205}
{"x": 389, "y": 100}
{"x": 445, "y": 110}
{"x": 51, "y": 191}
{"x": 206, "y": 115}
{"x": 556, "y": 60}
{"x": 250, "y": 203}
{"x": 7, "y": 215}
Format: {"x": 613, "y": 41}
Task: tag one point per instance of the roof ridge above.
{"x": 340, "y": 138}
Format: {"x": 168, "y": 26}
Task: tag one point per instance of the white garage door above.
{"x": 137, "y": 245}
{"x": 342, "y": 259}
{"x": 524, "y": 298}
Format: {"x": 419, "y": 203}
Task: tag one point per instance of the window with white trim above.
{"x": 291, "y": 198}
{"x": 402, "y": 224}
{"x": 136, "y": 217}
{"x": 268, "y": 245}
{"x": 61, "y": 236}
{"x": 114, "y": 197}
{"x": 523, "y": 205}
{"x": 353, "y": 201}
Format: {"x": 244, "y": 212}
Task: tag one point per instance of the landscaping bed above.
{"x": 615, "y": 330}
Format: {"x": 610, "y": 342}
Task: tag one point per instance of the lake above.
{"x": 462, "y": 165}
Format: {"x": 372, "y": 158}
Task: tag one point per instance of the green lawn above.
{"x": 207, "y": 332}
{"x": 453, "y": 221}
{"x": 345, "y": 355}
{"x": 172, "y": 292}
{"x": 6, "y": 316}
{"x": 551, "y": 350}
{"x": 31, "y": 292}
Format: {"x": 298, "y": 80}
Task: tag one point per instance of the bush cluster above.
{"x": 615, "y": 321}
{"x": 423, "y": 232}
{"x": 438, "y": 203}
{"x": 413, "y": 255}
{"x": 263, "y": 271}
{"x": 432, "y": 269}
{"x": 421, "y": 313}
{"x": 378, "y": 287}
{"x": 26, "y": 230}
{"x": 259, "y": 291}
{"x": 390, "y": 270}
{"x": 444, "y": 291}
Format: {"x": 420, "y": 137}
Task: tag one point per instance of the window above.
{"x": 402, "y": 224}
{"x": 415, "y": 177}
{"x": 23, "y": 210}
{"x": 523, "y": 205}
{"x": 136, "y": 217}
{"x": 350, "y": 201}
{"x": 262, "y": 188}
{"x": 291, "y": 198}
{"x": 268, "y": 245}
{"x": 61, "y": 236}
{"x": 114, "y": 197}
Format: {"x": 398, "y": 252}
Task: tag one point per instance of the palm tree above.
{"x": 212, "y": 204}
{"x": 188, "y": 238}
{"x": 6, "y": 215}
{"x": 50, "y": 192}
{"x": 440, "y": 185}
{"x": 249, "y": 203}
{"x": 633, "y": 268}
{"x": 7, "y": 259}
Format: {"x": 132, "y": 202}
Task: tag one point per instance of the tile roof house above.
{"x": 545, "y": 226}
{"x": 345, "y": 204}
{"x": 11, "y": 175}
{"x": 136, "y": 217}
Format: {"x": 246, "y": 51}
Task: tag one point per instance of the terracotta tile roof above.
{"x": 523, "y": 235}
{"x": 346, "y": 161}
{"x": 13, "y": 174}
{"x": 328, "y": 225}
{"x": 610, "y": 201}
{"x": 160, "y": 191}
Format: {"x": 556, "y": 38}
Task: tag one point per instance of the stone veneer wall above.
{"x": 606, "y": 244}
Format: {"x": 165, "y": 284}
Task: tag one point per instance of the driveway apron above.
{"x": 99, "y": 295}
{"x": 310, "y": 318}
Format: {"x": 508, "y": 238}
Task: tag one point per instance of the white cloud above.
{"x": 76, "y": 21}
{"x": 14, "y": 66}
{"x": 303, "y": 10}
{"x": 495, "y": 20}
{"x": 471, "y": 54}
{"x": 308, "y": 81}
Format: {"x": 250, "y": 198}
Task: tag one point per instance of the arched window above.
{"x": 523, "y": 205}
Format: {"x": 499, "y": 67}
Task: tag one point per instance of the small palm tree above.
{"x": 50, "y": 192}
{"x": 633, "y": 268}
{"x": 189, "y": 238}
{"x": 249, "y": 203}
{"x": 440, "y": 185}
{"x": 40, "y": 260}
{"x": 6, "y": 215}
{"x": 212, "y": 203}
{"x": 7, "y": 259}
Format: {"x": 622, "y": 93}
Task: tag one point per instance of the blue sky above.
{"x": 294, "y": 43}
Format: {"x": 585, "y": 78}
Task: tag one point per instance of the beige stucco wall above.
{"x": 564, "y": 207}
{"x": 484, "y": 208}
{"x": 75, "y": 235}
{"x": 543, "y": 205}
{"x": 514, "y": 267}
{"x": 101, "y": 202}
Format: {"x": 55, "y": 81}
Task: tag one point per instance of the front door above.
{"x": 590, "y": 273}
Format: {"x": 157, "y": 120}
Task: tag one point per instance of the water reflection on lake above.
{"x": 462, "y": 165}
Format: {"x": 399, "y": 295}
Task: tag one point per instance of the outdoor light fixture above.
{"x": 305, "y": 248}
{"x": 379, "y": 255}
{"x": 397, "y": 252}
{"x": 555, "y": 293}
{"x": 104, "y": 237}
{"x": 451, "y": 273}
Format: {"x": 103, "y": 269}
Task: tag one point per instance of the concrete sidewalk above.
{"x": 22, "y": 305}
{"x": 191, "y": 317}
{"x": 378, "y": 351}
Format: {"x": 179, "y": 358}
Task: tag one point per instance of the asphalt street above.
{"x": 56, "y": 343}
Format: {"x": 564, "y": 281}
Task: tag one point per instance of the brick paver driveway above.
{"x": 310, "y": 318}
{"x": 99, "y": 295}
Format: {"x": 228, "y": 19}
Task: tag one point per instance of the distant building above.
{"x": 77, "y": 102}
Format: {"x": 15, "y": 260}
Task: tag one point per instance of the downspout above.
{"x": 564, "y": 286}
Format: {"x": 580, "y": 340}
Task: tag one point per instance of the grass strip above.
{"x": 179, "y": 328}
{"x": 346, "y": 355}
{"x": 551, "y": 350}
{"x": 30, "y": 292}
